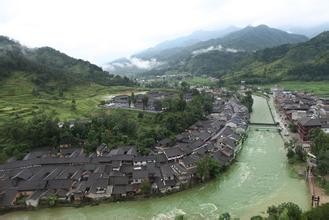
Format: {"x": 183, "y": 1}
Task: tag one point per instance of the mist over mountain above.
{"x": 308, "y": 61}
{"x": 49, "y": 68}
{"x": 243, "y": 40}
{"x": 188, "y": 40}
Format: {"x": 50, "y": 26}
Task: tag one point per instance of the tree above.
{"x": 179, "y": 217}
{"x": 145, "y": 101}
{"x": 181, "y": 103}
{"x": 320, "y": 147}
{"x": 207, "y": 168}
{"x": 320, "y": 141}
{"x": 225, "y": 216}
{"x": 293, "y": 211}
{"x": 290, "y": 153}
{"x": 3, "y": 157}
{"x": 102, "y": 102}
{"x": 323, "y": 162}
{"x": 129, "y": 101}
{"x": 146, "y": 186}
{"x": 73, "y": 105}
{"x": 42, "y": 131}
{"x": 157, "y": 105}
{"x": 318, "y": 213}
{"x": 286, "y": 210}
{"x": 185, "y": 87}
{"x": 292, "y": 127}
{"x": 106, "y": 136}
{"x": 133, "y": 98}
{"x": 247, "y": 100}
{"x": 52, "y": 200}
{"x": 35, "y": 92}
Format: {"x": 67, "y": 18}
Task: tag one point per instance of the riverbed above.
{"x": 261, "y": 177}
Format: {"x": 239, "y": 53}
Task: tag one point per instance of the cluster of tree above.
{"x": 132, "y": 100}
{"x": 286, "y": 211}
{"x": 179, "y": 115}
{"x": 291, "y": 211}
{"x": 247, "y": 100}
{"x": 320, "y": 148}
{"x": 295, "y": 151}
{"x": 207, "y": 168}
{"x": 21, "y": 136}
{"x": 115, "y": 129}
{"x": 310, "y": 72}
{"x": 292, "y": 127}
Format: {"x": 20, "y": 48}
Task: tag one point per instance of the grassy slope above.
{"x": 16, "y": 98}
{"x": 200, "y": 81}
{"x": 318, "y": 88}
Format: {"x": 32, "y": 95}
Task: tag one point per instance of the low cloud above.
{"x": 134, "y": 62}
{"x": 144, "y": 64}
{"x": 218, "y": 47}
{"x": 212, "y": 48}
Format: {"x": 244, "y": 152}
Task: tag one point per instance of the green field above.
{"x": 16, "y": 99}
{"x": 320, "y": 88}
{"x": 200, "y": 81}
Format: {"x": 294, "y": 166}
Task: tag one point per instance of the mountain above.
{"x": 303, "y": 61}
{"x": 256, "y": 38}
{"x": 143, "y": 61}
{"x": 47, "y": 67}
{"x": 248, "y": 39}
{"x": 188, "y": 40}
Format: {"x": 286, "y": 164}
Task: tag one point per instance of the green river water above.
{"x": 261, "y": 177}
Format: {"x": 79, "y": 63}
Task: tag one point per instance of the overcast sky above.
{"x": 102, "y": 30}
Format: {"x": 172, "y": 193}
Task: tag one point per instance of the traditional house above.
{"x": 143, "y": 160}
{"x": 139, "y": 176}
{"x": 305, "y": 125}
{"x": 173, "y": 153}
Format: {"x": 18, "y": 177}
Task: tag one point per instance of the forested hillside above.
{"x": 214, "y": 52}
{"x": 49, "y": 69}
{"x": 303, "y": 61}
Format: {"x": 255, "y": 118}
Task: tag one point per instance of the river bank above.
{"x": 260, "y": 177}
{"x": 298, "y": 167}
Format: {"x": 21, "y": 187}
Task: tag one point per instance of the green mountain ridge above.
{"x": 185, "y": 41}
{"x": 247, "y": 40}
{"x": 49, "y": 68}
{"x": 303, "y": 61}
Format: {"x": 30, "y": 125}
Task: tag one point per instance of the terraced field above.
{"x": 16, "y": 99}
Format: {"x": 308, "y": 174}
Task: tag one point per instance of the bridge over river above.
{"x": 264, "y": 124}
{"x": 261, "y": 177}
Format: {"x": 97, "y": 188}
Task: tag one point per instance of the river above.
{"x": 261, "y": 177}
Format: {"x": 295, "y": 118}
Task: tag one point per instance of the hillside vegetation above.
{"x": 247, "y": 39}
{"x": 50, "y": 69}
{"x": 120, "y": 127}
{"x": 46, "y": 80}
{"x": 19, "y": 99}
{"x": 306, "y": 61}
{"x": 215, "y": 52}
